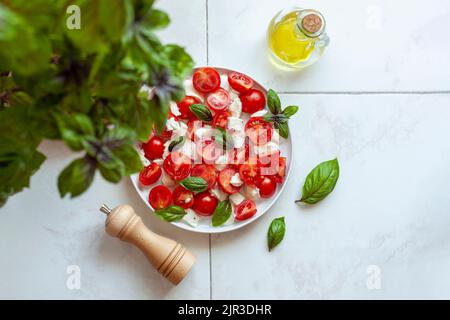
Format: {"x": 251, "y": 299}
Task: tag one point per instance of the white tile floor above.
{"x": 379, "y": 100}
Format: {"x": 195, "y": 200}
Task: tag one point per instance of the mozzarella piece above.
{"x": 218, "y": 193}
{"x": 179, "y": 131}
{"x": 224, "y": 82}
{"x": 267, "y": 148}
{"x": 276, "y": 138}
{"x": 205, "y": 132}
{"x": 251, "y": 193}
{"x": 174, "y": 108}
{"x": 260, "y": 113}
{"x": 236, "y": 180}
{"x": 191, "y": 218}
{"x": 237, "y": 198}
{"x": 159, "y": 162}
{"x": 190, "y": 90}
{"x": 187, "y": 148}
{"x": 236, "y": 105}
{"x": 238, "y": 139}
{"x": 167, "y": 180}
{"x": 235, "y": 123}
{"x": 221, "y": 162}
{"x": 166, "y": 148}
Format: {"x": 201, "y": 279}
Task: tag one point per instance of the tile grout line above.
{"x": 365, "y": 92}
{"x": 207, "y": 63}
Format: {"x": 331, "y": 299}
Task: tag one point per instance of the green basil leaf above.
{"x": 171, "y": 213}
{"x": 224, "y": 140}
{"x": 320, "y": 182}
{"x": 222, "y": 213}
{"x": 283, "y": 129}
{"x": 76, "y": 177}
{"x": 74, "y": 129}
{"x": 276, "y": 232}
{"x": 195, "y": 184}
{"x": 273, "y": 102}
{"x": 174, "y": 143}
{"x": 290, "y": 111}
{"x": 201, "y": 111}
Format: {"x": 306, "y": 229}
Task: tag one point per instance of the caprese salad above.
{"x": 218, "y": 152}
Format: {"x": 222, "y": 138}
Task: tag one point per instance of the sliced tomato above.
{"x": 224, "y": 180}
{"x": 182, "y": 197}
{"x": 150, "y": 174}
{"x": 205, "y": 204}
{"x": 279, "y": 177}
{"x": 258, "y": 130}
{"x": 249, "y": 173}
{"x": 193, "y": 125}
{"x": 154, "y": 148}
{"x": 177, "y": 165}
{"x": 240, "y": 82}
{"x": 160, "y": 197}
{"x": 218, "y": 100}
{"x": 245, "y": 210}
{"x": 206, "y": 172}
{"x": 206, "y": 80}
{"x": 208, "y": 150}
{"x": 220, "y": 119}
{"x": 267, "y": 186}
{"x": 269, "y": 162}
{"x": 253, "y": 100}
{"x": 184, "y": 105}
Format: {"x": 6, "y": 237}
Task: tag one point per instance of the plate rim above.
{"x": 239, "y": 225}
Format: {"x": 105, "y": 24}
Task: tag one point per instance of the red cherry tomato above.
{"x": 249, "y": 173}
{"x": 224, "y": 180}
{"x": 193, "y": 125}
{"x": 281, "y": 170}
{"x": 253, "y": 100}
{"x": 208, "y": 150}
{"x": 258, "y": 130}
{"x": 219, "y": 100}
{"x": 206, "y": 80}
{"x": 240, "y": 82}
{"x": 150, "y": 174}
{"x": 154, "y": 148}
{"x": 177, "y": 165}
{"x": 184, "y": 105}
{"x": 160, "y": 197}
{"x": 205, "y": 204}
{"x": 220, "y": 119}
{"x": 245, "y": 210}
{"x": 182, "y": 197}
{"x": 267, "y": 186}
{"x": 207, "y": 172}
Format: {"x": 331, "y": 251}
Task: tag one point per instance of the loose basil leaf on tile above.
{"x": 195, "y": 184}
{"x": 201, "y": 111}
{"x": 222, "y": 213}
{"x": 273, "y": 102}
{"x": 320, "y": 182}
{"x": 172, "y": 213}
{"x": 276, "y": 232}
{"x": 290, "y": 111}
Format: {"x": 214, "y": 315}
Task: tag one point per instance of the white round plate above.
{"x": 263, "y": 205}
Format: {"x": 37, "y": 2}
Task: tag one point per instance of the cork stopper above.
{"x": 311, "y": 22}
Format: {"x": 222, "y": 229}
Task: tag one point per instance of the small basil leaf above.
{"x": 174, "y": 143}
{"x": 320, "y": 182}
{"x": 171, "y": 213}
{"x": 273, "y": 101}
{"x": 222, "y": 213}
{"x": 76, "y": 177}
{"x": 268, "y": 118}
{"x": 283, "y": 129}
{"x": 201, "y": 111}
{"x": 195, "y": 184}
{"x": 276, "y": 232}
{"x": 290, "y": 111}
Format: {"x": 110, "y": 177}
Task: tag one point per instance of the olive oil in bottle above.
{"x": 297, "y": 38}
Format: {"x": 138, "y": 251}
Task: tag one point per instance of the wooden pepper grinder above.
{"x": 170, "y": 258}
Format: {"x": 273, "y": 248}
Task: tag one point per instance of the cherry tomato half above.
{"x": 184, "y": 105}
{"x": 160, "y": 197}
{"x": 205, "y": 204}
{"x": 253, "y": 100}
{"x": 220, "y": 119}
{"x": 258, "y": 130}
{"x": 182, "y": 197}
{"x": 249, "y": 173}
{"x": 208, "y": 150}
{"x": 206, "y": 80}
{"x": 207, "y": 172}
{"x": 245, "y": 210}
{"x": 267, "y": 186}
{"x": 150, "y": 174}
{"x": 224, "y": 180}
{"x": 154, "y": 148}
{"x": 240, "y": 82}
{"x": 219, "y": 100}
{"x": 177, "y": 165}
